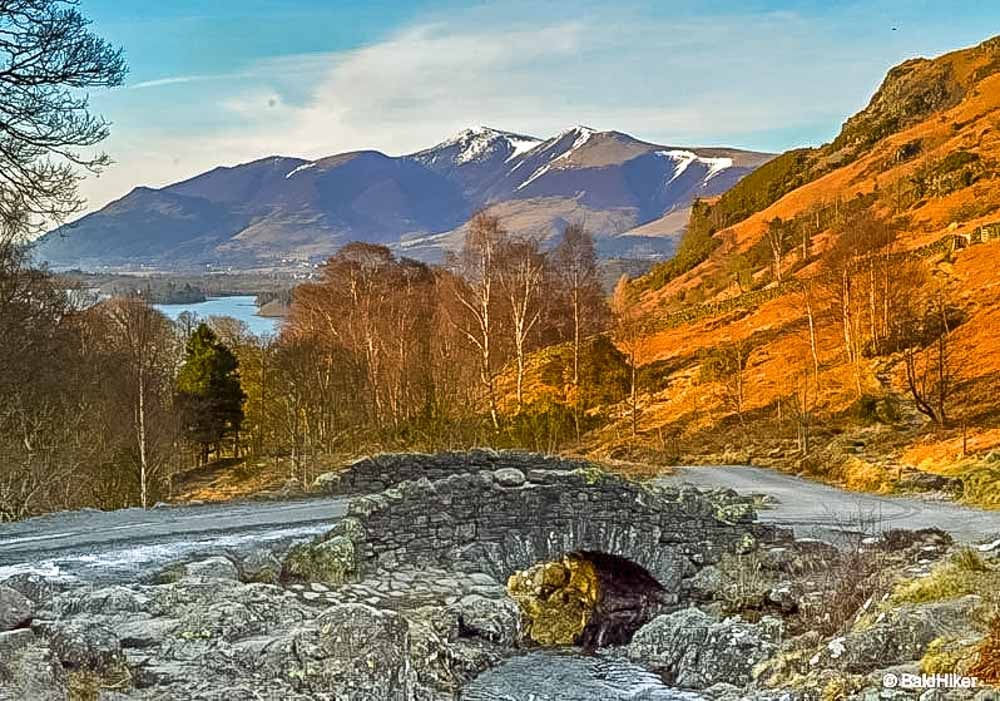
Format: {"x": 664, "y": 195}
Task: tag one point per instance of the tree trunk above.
{"x": 812, "y": 340}
{"x": 520, "y": 376}
{"x": 141, "y": 421}
{"x": 634, "y": 399}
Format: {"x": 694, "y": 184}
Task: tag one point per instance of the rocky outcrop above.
{"x": 354, "y": 651}
{"x": 217, "y": 567}
{"x": 402, "y": 635}
{"x": 15, "y": 609}
{"x": 901, "y": 636}
{"x": 495, "y": 619}
{"x": 83, "y": 644}
{"x": 558, "y": 599}
{"x": 331, "y": 561}
{"x": 260, "y": 566}
{"x": 695, "y": 651}
{"x": 586, "y": 598}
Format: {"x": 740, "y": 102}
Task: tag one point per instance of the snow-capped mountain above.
{"x": 476, "y": 146}
{"x": 279, "y": 209}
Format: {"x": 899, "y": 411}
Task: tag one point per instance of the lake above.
{"x": 242, "y": 307}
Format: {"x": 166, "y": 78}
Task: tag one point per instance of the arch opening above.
{"x": 588, "y": 598}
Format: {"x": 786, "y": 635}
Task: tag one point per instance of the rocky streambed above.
{"x": 370, "y": 610}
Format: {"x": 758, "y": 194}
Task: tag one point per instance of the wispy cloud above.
{"x": 199, "y": 78}
{"x": 173, "y": 80}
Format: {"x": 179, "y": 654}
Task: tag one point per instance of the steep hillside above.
{"x": 921, "y": 161}
{"x": 289, "y": 209}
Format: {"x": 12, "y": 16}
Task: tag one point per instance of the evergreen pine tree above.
{"x": 209, "y": 394}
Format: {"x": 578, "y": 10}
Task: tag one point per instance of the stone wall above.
{"x": 506, "y": 520}
{"x": 374, "y": 474}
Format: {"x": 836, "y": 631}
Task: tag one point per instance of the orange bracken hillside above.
{"x": 924, "y": 156}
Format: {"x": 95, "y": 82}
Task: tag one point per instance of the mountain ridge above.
{"x": 279, "y": 209}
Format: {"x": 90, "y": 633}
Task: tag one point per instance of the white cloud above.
{"x": 677, "y": 82}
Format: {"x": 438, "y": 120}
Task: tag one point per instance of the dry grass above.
{"x": 87, "y": 685}
{"x": 965, "y": 572}
{"x": 949, "y": 656}
{"x": 863, "y": 476}
{"x": 744, "y": 583}
{"x": 245, "y": 479}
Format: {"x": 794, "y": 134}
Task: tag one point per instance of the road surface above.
{"x": 813, "y": 509}
{"x": 107, "y": 546}
{"x": 112, "y": 545}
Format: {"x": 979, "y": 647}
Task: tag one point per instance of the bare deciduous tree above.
{"x": 777, "y": 233}
{"x": 48, "y": 56}
{"x": 930, "y": 371}
{"x": 575, "y": 262}
{"x": 727, "y": 364}
{"x": 143, "y": 337}
{"x": 520, "y": 273}
{"x": 478, "y": 264}
{"x": 629, "y": 330}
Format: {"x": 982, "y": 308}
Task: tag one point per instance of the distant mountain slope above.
{"x": 285, "y": 209}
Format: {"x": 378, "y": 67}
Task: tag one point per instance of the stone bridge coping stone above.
{"x": 377, "y": 473}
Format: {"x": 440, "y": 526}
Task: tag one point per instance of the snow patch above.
{"x": 683, "y": 159}
{"x": 301, "y": 168}
{"x": 583, "y": 135}
{"x": 535, "y": 176}
{"x": 520, "y": 145}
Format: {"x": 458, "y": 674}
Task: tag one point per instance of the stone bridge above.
{"x": 508, "y": 519}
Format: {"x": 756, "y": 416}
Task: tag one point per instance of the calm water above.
{"x": 243, "y": 308}
{"x": 570, "y": 676}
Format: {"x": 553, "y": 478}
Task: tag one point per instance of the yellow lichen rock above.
{"x": 558, "y": 598}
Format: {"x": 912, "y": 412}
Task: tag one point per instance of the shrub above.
{"x": 863, "y": 476}
{"x": 969, "y": 560}
{"x": 948, "y": 656}
{"x": 865, "y": 409}
{"x": 545, "y": 426}
{"x": 987, "y": 664}
{"x": 849, "y": 581}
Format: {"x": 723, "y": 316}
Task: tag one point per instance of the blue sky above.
{"x": 224, "y": 82}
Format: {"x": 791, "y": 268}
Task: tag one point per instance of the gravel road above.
{"x": 111, "y": 545}
{"x": 818, "y": 510}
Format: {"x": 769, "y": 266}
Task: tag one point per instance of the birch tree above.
{"x": 143, "y": 335}
{"x": 478, "y": 294}
{"x": 629, "y": 329}
{"x": 574, "y": 261}
{"x": 777, "y": 233}
{"x": 520, "y": 273}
